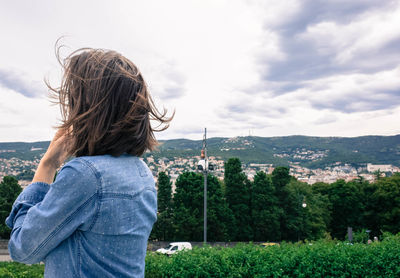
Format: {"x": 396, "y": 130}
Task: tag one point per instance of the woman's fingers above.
{"x": 58, "y": 150}
{"x": 60, "y": 133}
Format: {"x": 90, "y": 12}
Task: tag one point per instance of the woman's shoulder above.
{"x": 80, "y": 164}
{"x": 76, "y": 173}
{"x": 126, "y": 175}
{"x": 106, "y": 160}
{"x": 105, "y": 164}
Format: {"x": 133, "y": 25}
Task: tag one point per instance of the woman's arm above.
{"x": 44, "y": 215}
{"x": 55, "y": 155}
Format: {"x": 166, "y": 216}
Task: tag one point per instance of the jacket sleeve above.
{"x": 44, "y": 215}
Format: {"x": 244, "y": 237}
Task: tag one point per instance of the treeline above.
{"x": 274, "y": 207}
{"x": 9, "y": 191}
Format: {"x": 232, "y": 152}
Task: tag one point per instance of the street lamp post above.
{"x": 302, "y": 204}
{"x": 205, "y": 184}
{"x": 205, "y": 167}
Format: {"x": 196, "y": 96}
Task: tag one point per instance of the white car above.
{"x": 174, "y": 247}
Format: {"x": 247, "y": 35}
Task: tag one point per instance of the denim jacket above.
{"x": 93, "y": 221}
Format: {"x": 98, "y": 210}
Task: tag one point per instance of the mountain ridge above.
{"x": 308, "y": 151}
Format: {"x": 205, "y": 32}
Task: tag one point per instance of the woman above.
{"x": 94, "y": 220}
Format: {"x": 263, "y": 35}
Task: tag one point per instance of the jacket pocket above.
{"x": 124, "y": 214}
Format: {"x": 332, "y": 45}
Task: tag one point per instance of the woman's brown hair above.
{"x": 106, "y": 106}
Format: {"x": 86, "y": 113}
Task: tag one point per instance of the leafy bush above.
{"x": 18, "y": 270}
{"x": 324, "y": 258}
{"x": 359, "y": 236}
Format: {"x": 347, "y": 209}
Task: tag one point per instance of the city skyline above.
{"x": 265, "y": 68}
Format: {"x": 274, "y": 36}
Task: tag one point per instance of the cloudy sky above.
{"x": 237, "y": 67}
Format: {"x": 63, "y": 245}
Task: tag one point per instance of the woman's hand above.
{"x": 57, "y": 152}
{"x": 55, "y": 155}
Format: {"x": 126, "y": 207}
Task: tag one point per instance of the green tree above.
{"x": 378, "y": 174}
{"x": 347, "y": 208}
{"x": 238, "y": 197}
{"x": 319, "y": 215}
{"x": 305, "y": 214}
{"x": 164, "y": 194}
{"x": 188, "y": 209}
{"x": 321, "y": 192}
{"x": 9, "y": 191}
{"x": 219, "y": 216}
{"x": 266, "y": 212}
{"x": 321, "y": 188}
{"x": 280, "y": 179}
{"x": 294, "y": 219}
{"x": 385, "y": 204}
{"x": 371, "y": 206}
{"x": 162, "y": 229}
{"x": 25, "y": 175}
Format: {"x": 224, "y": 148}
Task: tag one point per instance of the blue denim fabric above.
{"x": 93, "y": 221}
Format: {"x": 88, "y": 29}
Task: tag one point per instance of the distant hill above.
{"x": 322, "y": 151}
{"x": 25, "y": 151}
{"x": 312, "y": 152}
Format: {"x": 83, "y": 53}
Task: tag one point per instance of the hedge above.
{"x": 310, "y": 259}
{"x": 325, "y": 258}
{"x": 17, "y": 270}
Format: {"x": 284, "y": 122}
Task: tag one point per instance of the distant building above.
{"x": 383, "y": 168}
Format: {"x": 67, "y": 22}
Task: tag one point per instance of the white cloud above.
{"x": 26, "y": 119}
{"x": 355, "y": 92}
{"x": 357, "y": 39}
{"x": 212, "y": 62}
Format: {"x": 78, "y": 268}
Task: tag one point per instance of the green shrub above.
{"x": 360, "y": 236}
{"x": 323, "y": 258}
{"x": 18, "y": 270}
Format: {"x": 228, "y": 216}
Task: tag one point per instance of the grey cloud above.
{"x": 172, "y": 92}
{"x": 392, "y": 46}
{"x": 313, "y": 11}
{"x": 303, "y": 61}
{"x": 9, "y": 109}
{"x": 303, "y": 64}
{"x": 289, "y": 87}
{"x": 172, "y": 81}
{"x": 16, "y": 82}
{"x": 244, "y": 115}
{"x": 199, "y": 131}
{"x": 326, "y": 120}
{"x": 11, "y": 125}
{"x": 239, "y": 110}
{"x": 187, "y": 130}
{"x": 273, "y": 88}
{"x": 176, "y": 76}
{"x": 259, "y": 124}
{"x": 361, "y": 103}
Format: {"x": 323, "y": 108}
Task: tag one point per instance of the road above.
{"x": 4, "y": 258}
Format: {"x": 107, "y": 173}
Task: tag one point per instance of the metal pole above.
{"x": 298, "y": 230}
{"x": 301, "y": 214}
{"x": 205, "y": 185}
{"x": 205, "y": 207}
